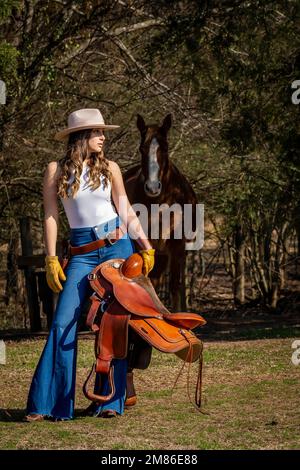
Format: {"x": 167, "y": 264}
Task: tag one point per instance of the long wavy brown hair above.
{"x": 77, "y": 151}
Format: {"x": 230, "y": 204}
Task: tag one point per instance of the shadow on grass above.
{"x": 270, "y": 332}
{"x": 17, "y": 415}
{"x": 12, "y": 415}
{"x": 248, "y": 333}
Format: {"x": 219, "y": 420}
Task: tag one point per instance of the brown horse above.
{"x": 157, "y": 182}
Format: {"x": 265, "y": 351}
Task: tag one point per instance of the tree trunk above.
{"x": 279, "y": 267}
{"x": 11, "y": 289}
{"x": 239, "y": 278}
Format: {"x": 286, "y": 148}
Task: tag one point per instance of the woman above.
{"x": 86, "y": 182}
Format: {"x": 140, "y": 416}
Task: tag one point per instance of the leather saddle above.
{"x": 129, "y": 319}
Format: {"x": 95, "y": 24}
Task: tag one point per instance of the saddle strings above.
{"x": 181, "y": 369}
{"x": 198, "y": 391}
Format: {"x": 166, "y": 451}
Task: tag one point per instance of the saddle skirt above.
{"x": 125, "y": 299}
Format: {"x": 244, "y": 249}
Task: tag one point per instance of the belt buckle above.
{"x": 107, "y": 238}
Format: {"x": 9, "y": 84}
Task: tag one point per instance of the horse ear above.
{"x": 140, "y": 123}
{"x": 166, "y": 125}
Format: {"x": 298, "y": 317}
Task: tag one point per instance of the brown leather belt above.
{"x": 110, "y": 239}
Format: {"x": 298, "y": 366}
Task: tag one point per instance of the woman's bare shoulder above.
{"x": 53, "y": 169}
{"x": 113, "y": 166}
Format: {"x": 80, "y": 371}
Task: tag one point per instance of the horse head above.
{"x": 154, "y": 151}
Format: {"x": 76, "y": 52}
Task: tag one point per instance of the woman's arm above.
{"x": 125, "y": 209}
{"x": 50, "y": 208}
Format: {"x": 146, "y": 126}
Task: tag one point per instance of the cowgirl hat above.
{"x": 88, "y": 118}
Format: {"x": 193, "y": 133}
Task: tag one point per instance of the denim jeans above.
{"x": 52, "y": 390}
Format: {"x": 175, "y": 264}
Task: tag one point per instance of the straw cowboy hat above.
{"x": 89, "y": 118}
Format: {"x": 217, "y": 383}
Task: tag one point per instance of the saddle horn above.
{"x": 132, "y": 266}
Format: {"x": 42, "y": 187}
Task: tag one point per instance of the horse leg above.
{"x": 131, "y": 398}
{"x": 160, "y": 266}
{"x": 182, "y": 283}
{"x": 177, "y": 278}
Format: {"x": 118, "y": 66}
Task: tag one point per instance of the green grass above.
{"x": 250, "y": 397}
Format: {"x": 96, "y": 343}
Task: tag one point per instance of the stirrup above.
{"x": 93, "y": 396}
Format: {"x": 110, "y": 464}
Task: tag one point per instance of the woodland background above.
{"x": 223, "y": 68}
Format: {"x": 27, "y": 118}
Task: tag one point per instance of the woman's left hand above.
{"x": 148, "y": 260}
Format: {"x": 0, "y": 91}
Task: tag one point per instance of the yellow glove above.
{"x": 54, "y": 272}
{"x": 148, "y": 260}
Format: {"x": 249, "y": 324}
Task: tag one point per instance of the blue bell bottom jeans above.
{"x": 52, "y": 390}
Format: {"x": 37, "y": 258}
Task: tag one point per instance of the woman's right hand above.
{"x": 54, "y": 272}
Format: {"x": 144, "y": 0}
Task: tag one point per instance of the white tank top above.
{"x": 89, "y": 207}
